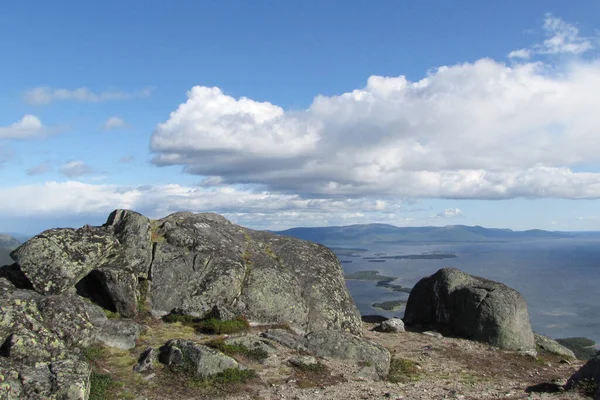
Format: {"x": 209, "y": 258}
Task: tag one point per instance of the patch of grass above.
{"x": 160, "y": 332}
{"x": 218, "y": 327}
{"x": 111, "y": 314}
{"x": 403, "y": 370}
{"x": 238, "y": 349}
{"x": 93, "y": 352}
{"x": 227, "y": 377}
{"x": 100, "y": 386}
{"x": 156, "y": 235}
{"x": 143, "y": 289}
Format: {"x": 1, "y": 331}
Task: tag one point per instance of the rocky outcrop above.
{"x": 471, "y": 307}
{"x": 192, "y": 264}
{"x": 37, "y": 335}
{"x": 552, "y": 346}
{"x": 345, "y": 346}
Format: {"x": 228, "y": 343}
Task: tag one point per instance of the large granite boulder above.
{"x": 474, "y": 308}
{"x": 552, "y": 346}
{"x": 193, "y": 264}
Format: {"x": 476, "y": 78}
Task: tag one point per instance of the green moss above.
{"x": 238, "y": 349}
{"x": 100, "y": 386}
{"x": 111, "y": 314}
{"x": 93, "y": 352}
{"x": 156, "y": 235}
{"x": 403, "y": 370}
{"x": 587, "y": 387}
{"x": 218, "y": 327}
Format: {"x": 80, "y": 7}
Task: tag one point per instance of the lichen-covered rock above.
{"x": 146, "y": 360}
{"x": 202, "y": 261}
{"x": 55, "y": 260}
{"x": 552, "y": 346}
{"x": 195, "y": 264}
{"x": 59, "y": 380}
{"x": 472, "y": 308}
{"x": 252, "y": 342}
{"x": 195, "y": 358}
{"x": 345, "y": 346}
{"x": 66, "y": 316}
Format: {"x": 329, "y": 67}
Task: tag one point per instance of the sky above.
{"x": 279, "y": 114}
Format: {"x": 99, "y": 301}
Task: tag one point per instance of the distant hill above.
{"x": 383, "y": 233}
{"x": 7, "y": 244}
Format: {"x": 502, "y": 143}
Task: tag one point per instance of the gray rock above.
{"x": 345, "y": 346}
{"x": 391, "y": 325}
{"x": 196, "y": 263}
{"x": 367, "y": 373}
{"x": 252, "y": 342}
{"x": 67, "y": 379}
{"x": 66, "y": 316}
{"x": 303, "y": 361}
{"x": 589, "y": 372}
{"x": 198, "y": 359}
{"x": 119, "y": 333}
{"x": 146, "y": 361}
{"x": 287, "y": 339}
{"x": 552, "y": 346}
{"x": 434, "y": 334}
{"x": 471, "y": 307}
{"x": 55, "y": 260}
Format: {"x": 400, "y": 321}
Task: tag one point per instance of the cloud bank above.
{"x": 482, "y": 130}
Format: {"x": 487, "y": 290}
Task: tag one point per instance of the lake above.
{"x": 559, "y": 278}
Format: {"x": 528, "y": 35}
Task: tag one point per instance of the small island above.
{"x": 390, "y": 305}
{"x": 377, "y": 261}
{"x": 370, "y": 275}
{"x": 393, "y": 287}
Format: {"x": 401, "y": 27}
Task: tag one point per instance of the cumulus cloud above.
{"x": 472, "y": 130}
{"x": 40, "y": 169}
{"x": 28, "y": 127}
{"x": 75, "y": 168}
{"x": 45, "y": 95}
{"x": 561, "y": 38}
{"x": 114, "y": 123}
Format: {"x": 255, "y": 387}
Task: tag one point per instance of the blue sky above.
{"x": 281, "y": 114}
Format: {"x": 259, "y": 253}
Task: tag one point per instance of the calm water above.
{"x": 560, "y": 279}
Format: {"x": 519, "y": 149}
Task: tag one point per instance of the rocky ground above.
{"x": 431, "y": 368}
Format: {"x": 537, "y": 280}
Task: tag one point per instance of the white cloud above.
{"x": 473, "y": 130}
{"x": 561, "y": 38}
{"x": 46, "y": 95}
{"x": 258, "y": 209}
{"x": 28, "y": 127}
{"x": 451, "y": 213}
{"x": 75, "y": 168}
{"x": 521, "y": 53}
{"x": 114, "y": 123}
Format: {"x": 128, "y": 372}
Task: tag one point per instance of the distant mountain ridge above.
{"x": 7, "y": 244}
{"x": 384, "y": 233}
